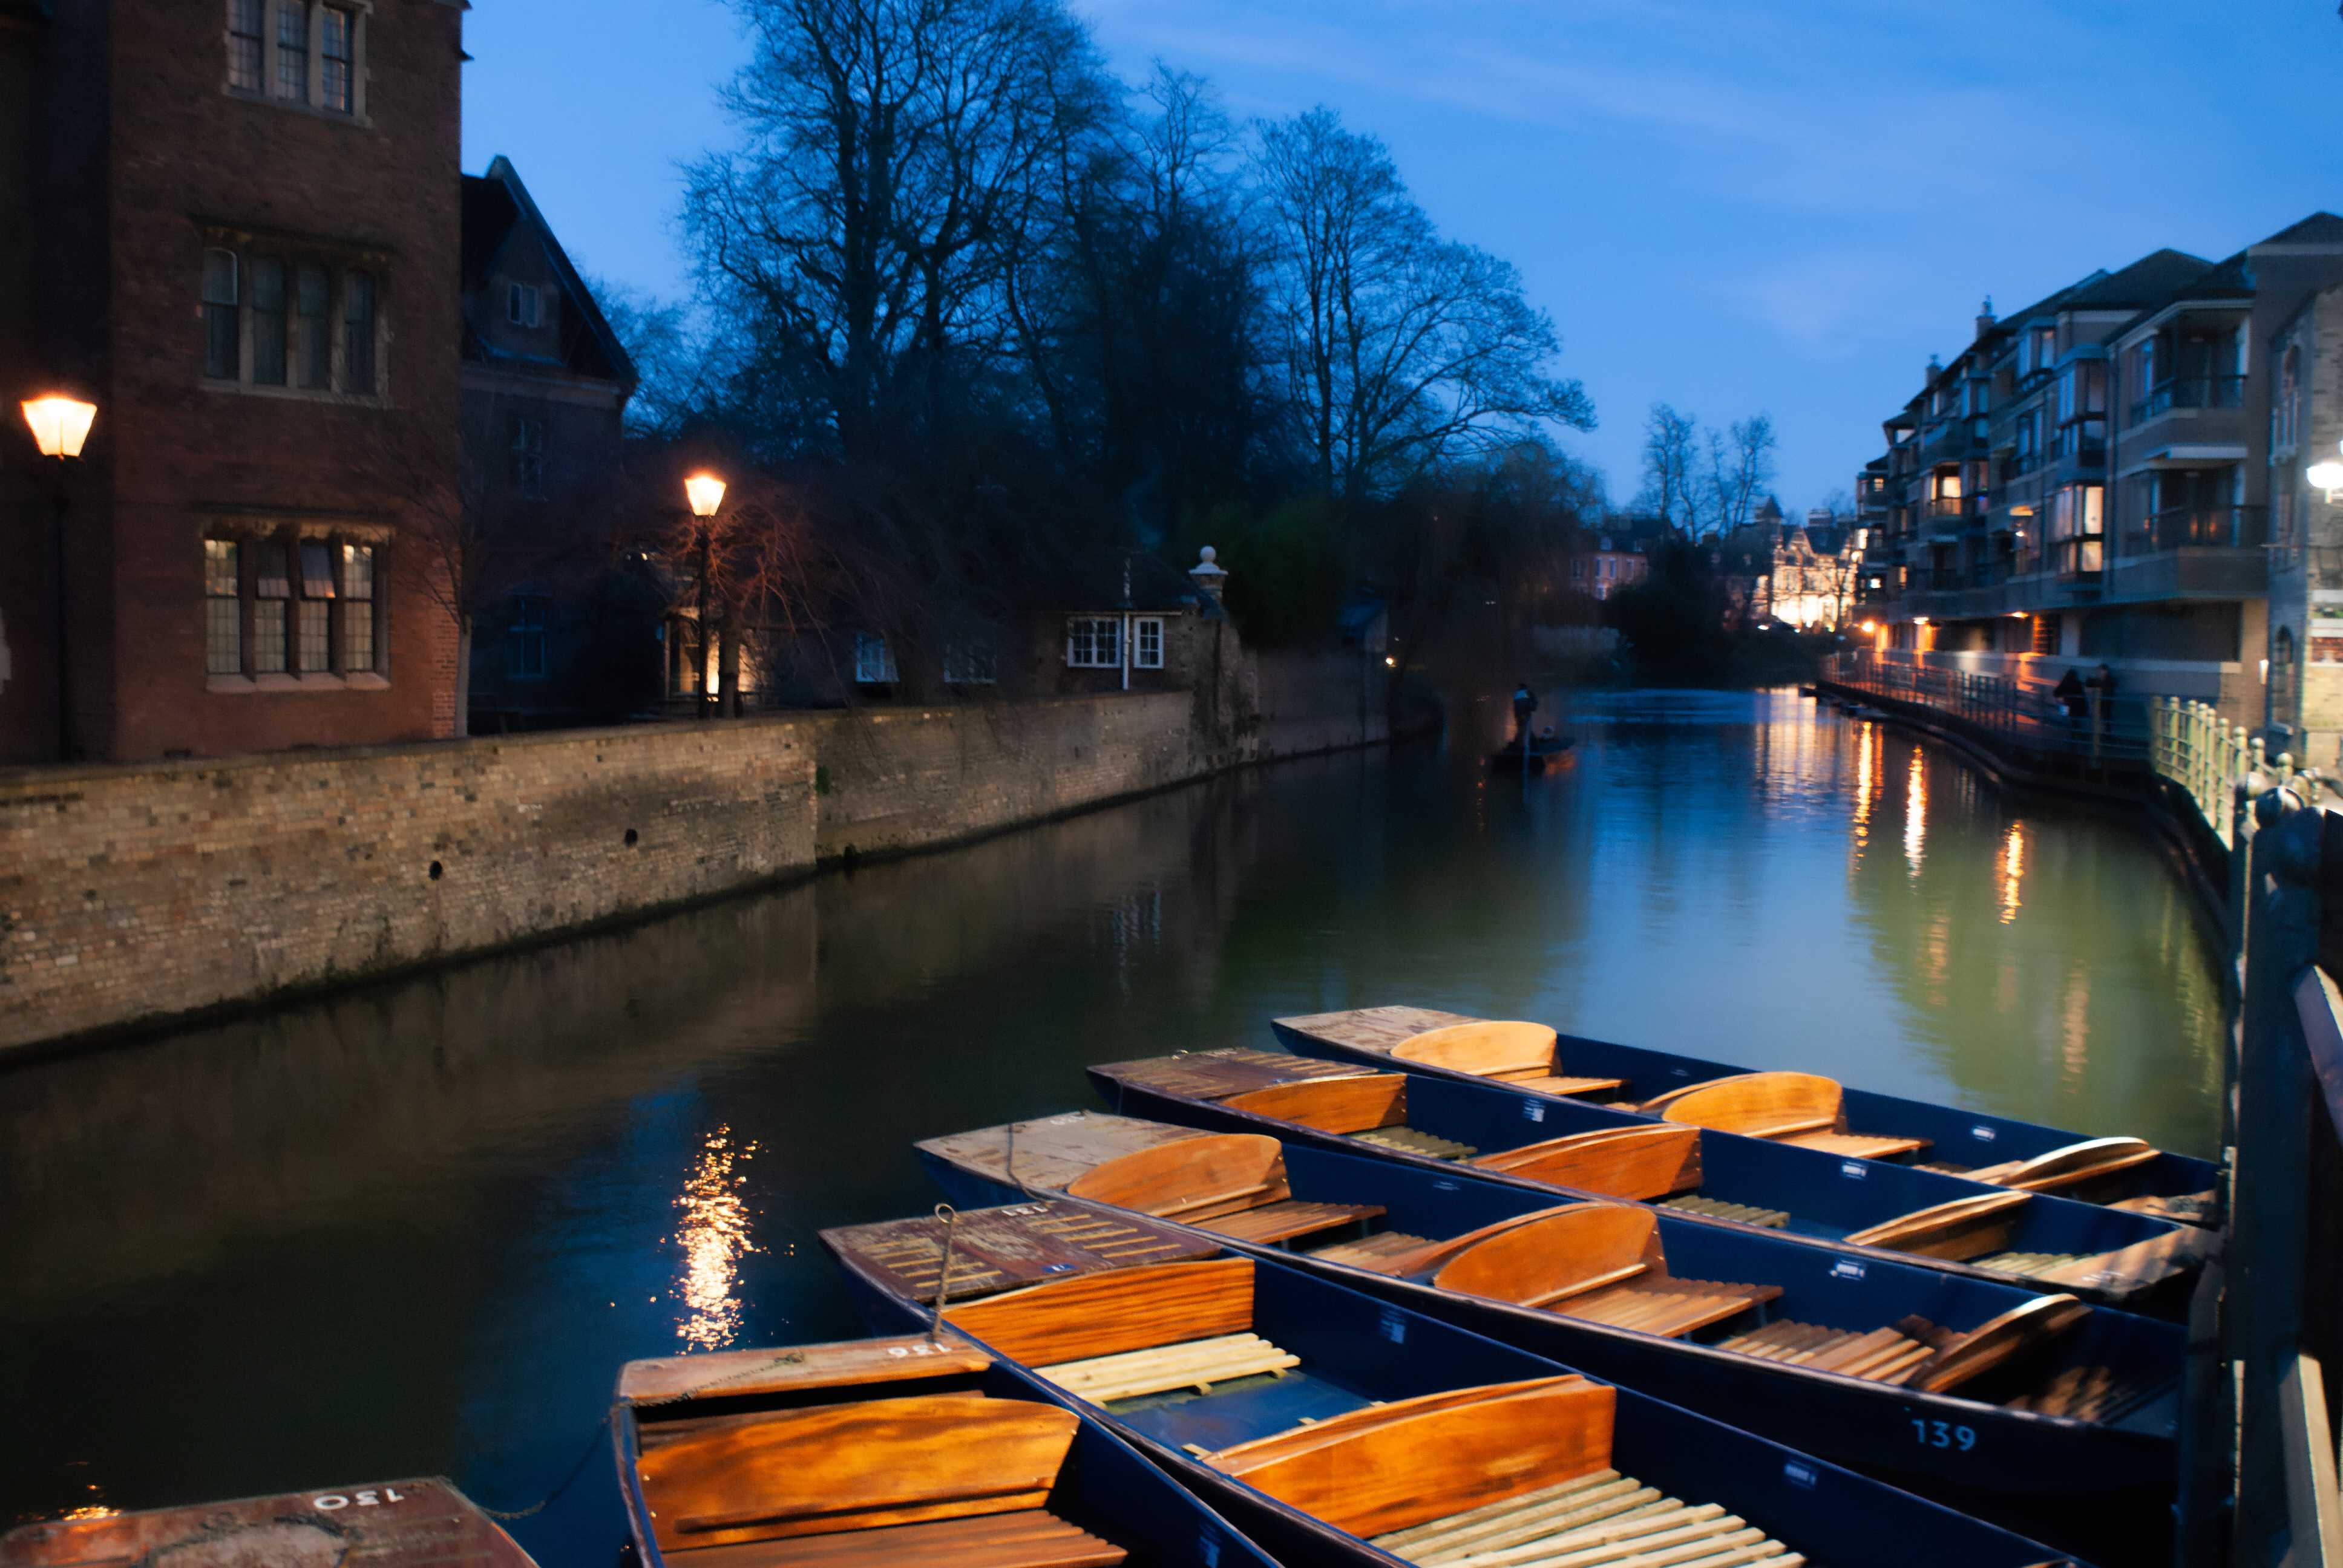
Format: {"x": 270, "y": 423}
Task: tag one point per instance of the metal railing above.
{"x": 2190, "y": 392}
{"x": 2190, "y": 744}
{"x": 2183, "y": 527}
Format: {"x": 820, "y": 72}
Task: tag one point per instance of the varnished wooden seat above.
{"x": 2077, "y": 1168}
{"x": 1287, "y": 1219}
{"x": 1801, "y": 1108}
{"x": 1522, "y": 1055}
{"x": 1601, "y": 1262}
{"x": 1914, "y": 1352}
{"x": 1637, "y": 1162}
{"x": 1515, "y": 1475}
{"x": 1029, "y": 1538}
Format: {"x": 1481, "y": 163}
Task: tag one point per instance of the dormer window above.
{"x": 524, "y": 305}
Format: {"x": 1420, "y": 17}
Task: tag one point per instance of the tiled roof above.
{"x": 2150, "y": 280}
{"x": 2318, "y": 228}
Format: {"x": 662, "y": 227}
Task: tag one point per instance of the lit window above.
{"x": 293, "y": 50}
{"x": 221, "y": 361}
{"x": 357, "y": 333}
{"x": 874, "y": 660}
{"x": 223, "y": 609}
{"x": 314, "y": 613}
{"x": 246, "y": 43}
{"x": 523, "y": 304}
{"x": 357, "y": 608}
{"x": 1147, "y": 642}
{"x": 272, "y": 588}
{"x": 267, "y": 321}
{"x": 1094, "y": 643}
{"x": 335, "y": 28}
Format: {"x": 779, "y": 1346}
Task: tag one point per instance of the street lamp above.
{"x": 705, "y": 492}
{"x": 60, "y": 427}
{"x": 2328, "y": 477}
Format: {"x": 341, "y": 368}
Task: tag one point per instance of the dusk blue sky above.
{"x": 1732, "y": 205}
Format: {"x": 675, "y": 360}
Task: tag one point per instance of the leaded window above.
{"x": 333, "y": 32}
{"x": 223, "y": 608}
{"x": 293, "y": 50}
{"x": 357, "y": 608}
{"x": 246, "y": 43}
{"x": 272, "y": 592}
{"x": 221, "y": 361}
{"x": 357, "y": 333}
{"x": 268, "y": 322}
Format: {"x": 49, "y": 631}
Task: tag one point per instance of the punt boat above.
{"x": 1576, "y": 1150}
{"x": 888, "y": 1453}
{"x": 1971, "y": 1383}
{"x": 1799, "y": 1108}
{"x": 420, "y": 1523}
{"x": 1337, "y": 1429}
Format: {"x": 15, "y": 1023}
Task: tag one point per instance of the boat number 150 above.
{"x": 1942, "y": 1434}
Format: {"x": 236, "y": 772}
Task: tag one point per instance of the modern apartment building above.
{"x": 2093, "y": 480}
{"x": 232, "y": 225}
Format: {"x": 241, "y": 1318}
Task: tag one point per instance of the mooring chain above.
{"x": 947, "y": 1214}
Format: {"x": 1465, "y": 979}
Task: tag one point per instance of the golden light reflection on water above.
{"x": 2013, "y": 871}
{"x": 2074, "y": 1025}
{"x": 714, "y": 1236}
{"x": 1915, "y": 812}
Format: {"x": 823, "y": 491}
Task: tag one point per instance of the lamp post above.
{"x": 60, "y": 426}
{"x": 705, "y": 492}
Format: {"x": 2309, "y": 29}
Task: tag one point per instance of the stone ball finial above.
{"x": 1207, "y": 556}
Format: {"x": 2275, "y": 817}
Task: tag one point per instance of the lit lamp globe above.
{"x": 60, "y": 424}
{"x": 707, "y": 494}
{"x": 2327, "y": 477}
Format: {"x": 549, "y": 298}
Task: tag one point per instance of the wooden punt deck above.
{"x": 998, "y": 1249}
{"x": 1604, "y": 1518}
{"x": 1218, "y": 1074}
{"x": 424, "y": 1523}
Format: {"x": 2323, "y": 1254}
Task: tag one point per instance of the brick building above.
{"x": 232, "y": 225}
{"x": 1604, "y": 559}
{"x": 562, "y": 631}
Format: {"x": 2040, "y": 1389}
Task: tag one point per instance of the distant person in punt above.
{"x": 1525, "y": 703}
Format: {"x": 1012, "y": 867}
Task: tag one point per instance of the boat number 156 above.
{"x": 1943, "y": 1434}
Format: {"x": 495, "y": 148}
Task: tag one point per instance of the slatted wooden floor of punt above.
{"x": 1379, "y": 1253}
{"x": 1884, "y": 1356}
{"x": 1411, "y": 1141}
{"x": 1605, "y": 1519}
{"x": 1717, "y": 1208}
{"x": 1188, "y": 1363}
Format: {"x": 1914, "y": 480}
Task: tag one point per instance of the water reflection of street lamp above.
{"x": 706, "y": 493}
{"x": 60, "y": 426}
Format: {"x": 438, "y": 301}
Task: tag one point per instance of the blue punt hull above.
{"x": 1105, "y": 1486}
{"x": 1966, "y": 1139}
{"x": 1826, "y": 1197}
{"x": 1355, "y": 1350}
{"x": 1965, "y": 1443}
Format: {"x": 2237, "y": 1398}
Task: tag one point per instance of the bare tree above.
{"x": 1667, "y": 492}
{"x": 1740, "y": 466}
{"x": 1404, "y": 350}
{"x": 888, "y": 147}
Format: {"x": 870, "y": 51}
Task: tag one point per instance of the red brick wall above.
{"x": 174, "y": 452}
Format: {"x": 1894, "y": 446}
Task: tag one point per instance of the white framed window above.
{"x": 874, "y": 659}
{"x": 524, "y": 305}
{"x": 1147, "y": 642}
{"x": 972, "y": 659}
{"x": 1094, "y": 642}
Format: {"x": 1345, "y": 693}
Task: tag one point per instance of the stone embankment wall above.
{"x": 138, "y": 893}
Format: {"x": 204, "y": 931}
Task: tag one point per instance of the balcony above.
{"x": 2189, "y": 392}
{"x": 2205, "y": 527}
{"x": 1953, "y": 440}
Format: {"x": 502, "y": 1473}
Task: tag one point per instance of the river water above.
{"x": 415, "y": 1229}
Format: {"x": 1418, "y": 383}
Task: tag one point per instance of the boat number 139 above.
{"x": 1943, "y": 1434}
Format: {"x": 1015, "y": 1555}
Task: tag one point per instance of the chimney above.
{"x": 1936, "y": 367}
{"x": 1207, "y": 575}
{"x": 1984, "y": 322}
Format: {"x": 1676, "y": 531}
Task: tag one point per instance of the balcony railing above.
{"x": 2190, "y": 392}
{"x": 2202, "y": 527}
{"x": 2082, "y": 442}
{"x": 2018, "y": 467}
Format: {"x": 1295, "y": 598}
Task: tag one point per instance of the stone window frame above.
{"x": 346, "y": 588}
{"x": 276, "y": 17}
{"x": 355, "y": 275}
